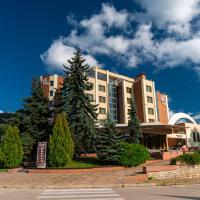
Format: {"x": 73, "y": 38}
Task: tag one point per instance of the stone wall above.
{"x": 182, "y": 172}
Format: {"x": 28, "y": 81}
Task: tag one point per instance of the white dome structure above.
{"x": 178, "y": 116}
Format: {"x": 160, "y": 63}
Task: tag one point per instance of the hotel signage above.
{"x": 41, "y": 155}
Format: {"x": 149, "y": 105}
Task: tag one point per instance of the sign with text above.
{"x": 41, "y": 155}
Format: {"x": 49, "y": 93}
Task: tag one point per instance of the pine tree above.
{"x": 109, "y": 142}
{"x": 33, "y": 120}
{"x": 77, "y": 105}
{"x": 11, "y": 148}
{"x": 61, "y": 146}
{"x": 134, "y": 125}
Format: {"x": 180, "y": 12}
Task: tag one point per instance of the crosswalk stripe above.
{"x": 78, "y": 194}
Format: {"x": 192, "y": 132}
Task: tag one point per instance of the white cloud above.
{"x": 1, "y": 111}
{"x": 174, "y": 14}
{"x": 95, "y": 36}
{"x": 58, "y": 54}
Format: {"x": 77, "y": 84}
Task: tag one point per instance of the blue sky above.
{"x": 158, "y": 37}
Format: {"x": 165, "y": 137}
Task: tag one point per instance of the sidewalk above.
{"x": 115, "y": 178}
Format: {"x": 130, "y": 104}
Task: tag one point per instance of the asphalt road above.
{"x": 190, "y": 192}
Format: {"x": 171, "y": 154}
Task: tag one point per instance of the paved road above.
{"x": 191, "y": 192}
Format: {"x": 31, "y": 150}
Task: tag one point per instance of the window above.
{"x": 102, "y": 99}
{"x": 50, "y": 103}
{"x": 128, "y": 90}
{"x": 151, "y": 120}
{"x": 150, "y": 111}
{"x": 102, "y": 88}
{"x": 148, "y": 88}
{"x": 91, "y": 73}
{"x": 149, "y": 99}
{"x": 91, "y": 97}
{"x": 101, "y": 76}
{"x": 194, "y": 136}
{"x": 91, "y": 85}
{"x": 51, "y": 93}
{"x": 102, "y": 111}
{"x": 51, "y": 83}
{"x": 129, "y": 100}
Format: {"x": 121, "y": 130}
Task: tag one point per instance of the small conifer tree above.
{"x": 11, "y": 148}
{"x": 134, "y": 125}
{"x": 61, "y": 146}
{"x": 109, "y": 142}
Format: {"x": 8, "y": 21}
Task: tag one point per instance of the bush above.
{"x": 11, "y": 150}
{"x": 133, "y": 155}
{"x": 61, "y": 146}
{"x": 190, "y": 159}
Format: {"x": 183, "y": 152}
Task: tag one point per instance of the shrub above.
{"x": 61, "y": 146}
{"x": 133, "y": 155}
{"x": 190, "y": 159}
{"x": 11, "y": 152}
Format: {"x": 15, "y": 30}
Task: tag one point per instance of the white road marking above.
{"x": 80, "y": 194}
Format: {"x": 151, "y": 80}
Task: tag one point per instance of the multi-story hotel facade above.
{"x": 113, "y": 94}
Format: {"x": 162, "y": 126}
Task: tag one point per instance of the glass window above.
{"x": 101, "y": 76}
{"x": 91, "y": 85}
{"x": 151, "y": 120}
{"x": 149, "y": 99}
{"x": 91, "y": 97}
{"x": 102, "y": 99}
{"x": 129, "y": 100}
{"x": 148, "y": 88}
{"x": 91, "y": 73}
{"x": 198, "y": 136}
{"x": 51, "y": 83}
{"x": 128, "y": 90}
{"x": 194, "y": 136}
{"x": 51, "y": 93}
{"x": 102, "y": 88}
{"x": 102, "y": 111}
{"x": 150, "y": 111}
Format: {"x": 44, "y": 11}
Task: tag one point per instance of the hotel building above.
{"x": 113, "y": 93}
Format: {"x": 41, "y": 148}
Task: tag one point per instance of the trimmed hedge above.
{"x": 133, "y": 155}
{"x": 190, "y": 159}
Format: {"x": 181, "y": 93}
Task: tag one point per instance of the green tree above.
{"x": 109, "y": 142}
{"x": 81, "y": 111}
{"x": 11, "y": 148}
{"x": 134, "y": 125}
{"x": 33, "y": 120}
{"x": 61, "y": 146}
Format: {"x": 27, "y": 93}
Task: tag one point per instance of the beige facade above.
{"x": 113, "y": 93}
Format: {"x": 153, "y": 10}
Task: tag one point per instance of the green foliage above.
{"x": 11, "y": 151}
{"x": 109, "y": 142}
{"x": 134, "y": 125}
{"x": 5, "y": 117}
{"x": 82, "y": 114}
{"x": 33, "y": 120}
{"x": 61, "y": 146}
{"x": 190, "y": 159}
{"x": 133, "y": 155}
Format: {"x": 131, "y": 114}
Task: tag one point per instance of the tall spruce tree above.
{"x": 109, "y": 142}
{"x": 33, "y": 119}
{"x": 61, "y": 145}
{"x": 134, "y": 125}
{"x": 76, "y": 103}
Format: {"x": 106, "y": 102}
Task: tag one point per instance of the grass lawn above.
{"x": 3, "y": 170}
{"x": 84, "y": 163}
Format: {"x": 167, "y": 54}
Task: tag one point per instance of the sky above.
{"x": 158, "y": 37}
